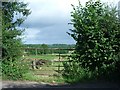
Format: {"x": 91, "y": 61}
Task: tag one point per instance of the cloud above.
{"x": 49, "y": 35}
{"x": 48, "y": 22}
{"x": 46, "y": 13}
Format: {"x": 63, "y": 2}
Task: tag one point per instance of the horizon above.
{"x": 48, "y": 44}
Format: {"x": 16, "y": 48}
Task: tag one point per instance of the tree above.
{"x": 96, "y": 31}
{"x": 45, "y": 48}
{"x": 13, "y": 15}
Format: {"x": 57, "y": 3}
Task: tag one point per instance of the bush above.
{"x": 14, "y": 70}
{"x": 73, "y": 72}
{"x": 96, "y": 32}
{"x": 12, "y": 66}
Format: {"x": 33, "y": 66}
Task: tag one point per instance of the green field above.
{"x": 47, "y": 73}
{"x": 46, "y": 56}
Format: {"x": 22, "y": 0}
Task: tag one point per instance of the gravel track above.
{"x": 29, "y": 84}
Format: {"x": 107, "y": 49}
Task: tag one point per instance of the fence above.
{"x": 37, "y": 51}
{"x": 56, "y": 64}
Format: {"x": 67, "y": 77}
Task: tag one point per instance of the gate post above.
{"x": 59, "y": 62}
{"x": 36, "y": 51}
{"x": 34, "y": 64}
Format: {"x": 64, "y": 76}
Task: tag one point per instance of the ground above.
{"x": 34, "y": 79}
{"x": 29, "y": 84}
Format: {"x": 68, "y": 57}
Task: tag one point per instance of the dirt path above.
{"x": 28, "y": 84}
{"x": 21, "y": 84}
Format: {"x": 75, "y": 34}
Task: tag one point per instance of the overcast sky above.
{"x": 48, "y": 22}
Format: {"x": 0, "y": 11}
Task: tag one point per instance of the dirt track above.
{"x": 27, "y": 84}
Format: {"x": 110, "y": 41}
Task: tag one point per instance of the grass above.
{"x": 50, "y": 72}
{"x": 46, "y": 56}
{"x": 46, "y": 79}
{"x": 47, "y": 73}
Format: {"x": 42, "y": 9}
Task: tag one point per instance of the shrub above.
{"x": 96, "y": 32}
{"x": 11, "y": 41}
{"x": 14, "y": 70}
{"x": 73, "y": 72}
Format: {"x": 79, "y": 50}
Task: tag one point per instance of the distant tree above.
{"x": 45, "y": 48}
{"x": 13, "y": 15}
{"x": 97, "y": 33}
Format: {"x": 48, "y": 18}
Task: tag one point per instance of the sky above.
{"x": 48, "y": 21}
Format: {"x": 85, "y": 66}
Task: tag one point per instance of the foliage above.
{"x": 96, "y": 31}
{"x": 14, "y": 70}
{"x": 13, "y": 15}
{"x": 73, "y": 72}
{"x": 47, "y": 49}
{"x": 50, "y": 45}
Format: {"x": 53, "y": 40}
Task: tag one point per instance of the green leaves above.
{"x": 12, "y": 45}
{"x": 95, "y": 29}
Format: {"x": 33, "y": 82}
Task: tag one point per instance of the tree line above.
{"x": 47, "y": 49}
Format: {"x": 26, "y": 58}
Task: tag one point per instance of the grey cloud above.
{"x": 50, "y": 35}
{"x": 45, "y": 21}
{"x": 56, "y": 33}
{"x": 47, "y": 24}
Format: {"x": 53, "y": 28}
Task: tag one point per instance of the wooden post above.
{"x": 51, "y": 51}
{"x": 43, "y": 51}
{"x": 36, "y": 51}
{"x": 59, "y": 61}
{"x": 59, "y": 54}
{"x": 34, "y": 64}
